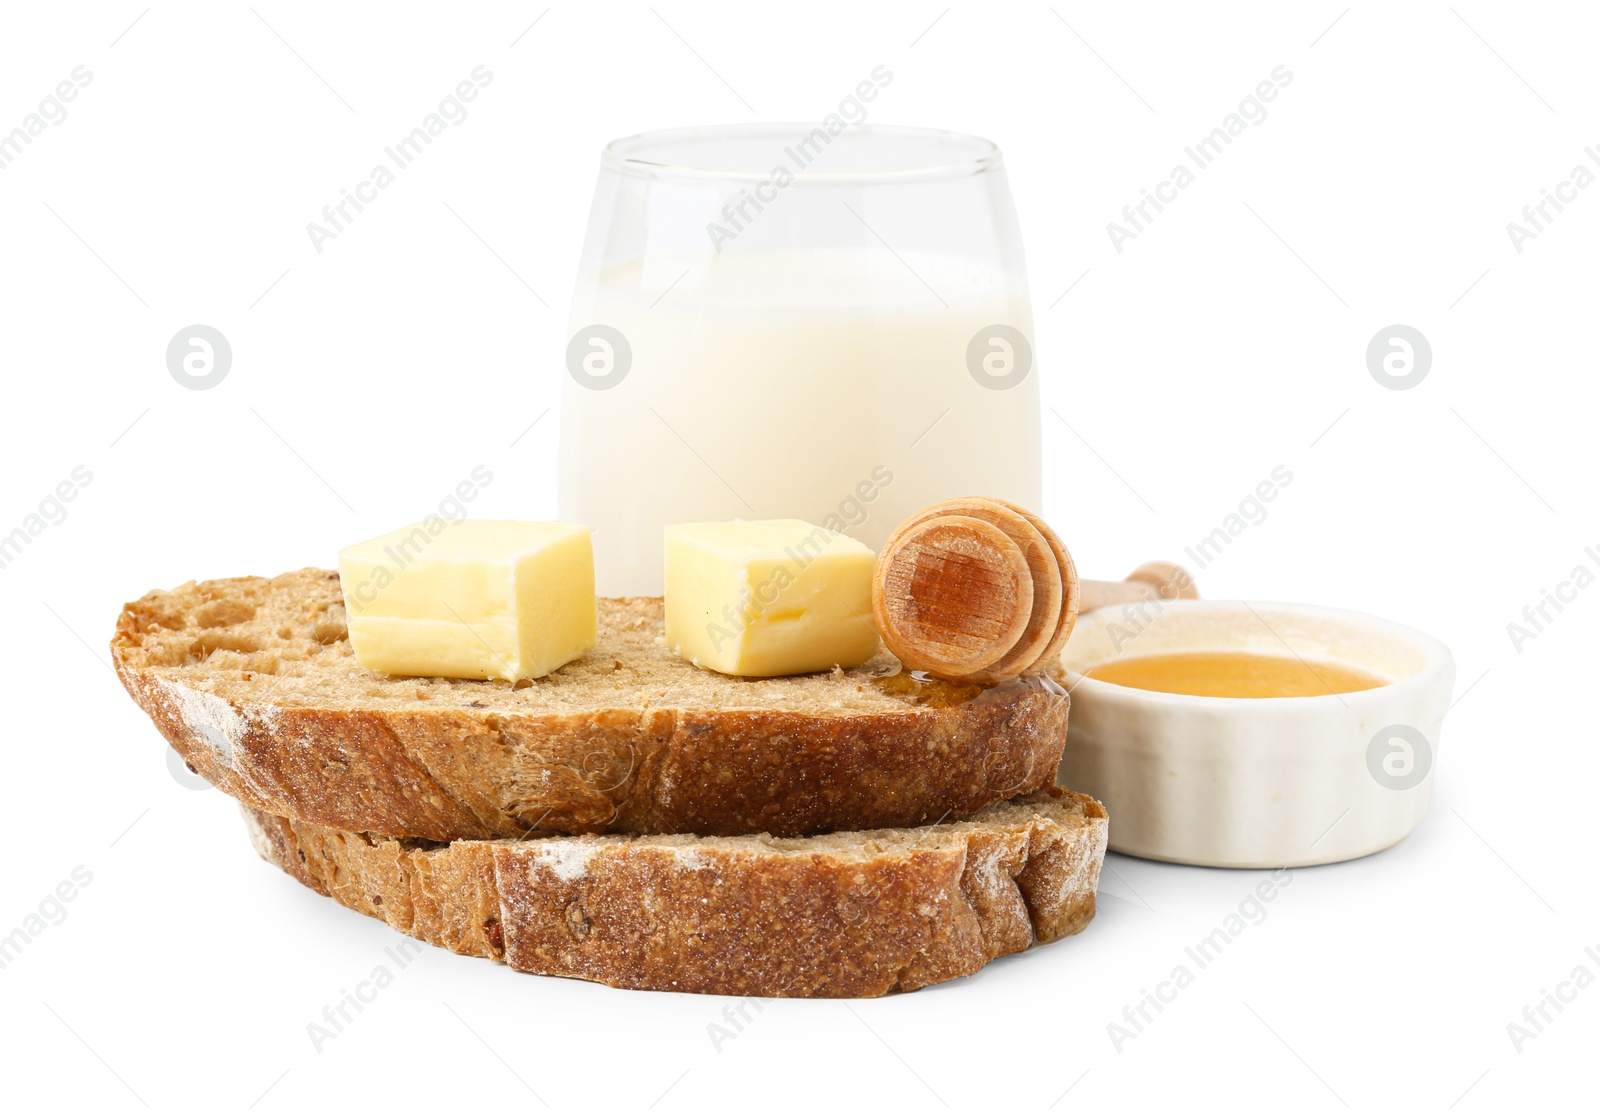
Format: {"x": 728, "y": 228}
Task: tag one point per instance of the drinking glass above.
{"x": 781, "y": 321}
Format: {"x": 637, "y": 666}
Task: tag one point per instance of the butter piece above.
{"x": 470, "y": 599}
{"x": 768, "y": 597}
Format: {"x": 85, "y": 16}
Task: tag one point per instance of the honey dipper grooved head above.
{"x": 952, "y": 595}
{"x": 1043, "y": 568}
{"x": 1070, "y": 588}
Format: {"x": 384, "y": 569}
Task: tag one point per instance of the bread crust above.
{"x": 252, "y": 680}
{"x": 840, "y": 915}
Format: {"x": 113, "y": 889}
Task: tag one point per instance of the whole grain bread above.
{"x": 843, "y": 914}
{"x": 254, "y": 682}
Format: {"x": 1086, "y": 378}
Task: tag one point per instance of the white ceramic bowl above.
{"x": 1256, "y": 782}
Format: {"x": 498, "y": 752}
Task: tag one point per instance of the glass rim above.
{"x": 969, "y": 154}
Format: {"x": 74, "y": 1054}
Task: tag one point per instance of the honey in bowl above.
{"x": 1234, "y": 674}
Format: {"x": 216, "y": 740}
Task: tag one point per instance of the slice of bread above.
{"x": 843, "y": 914}
{"x": 253, "y": 681}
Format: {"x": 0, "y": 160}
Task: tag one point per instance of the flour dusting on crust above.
{"x": 211, "y": 718}
{"x": 568, "y": 859}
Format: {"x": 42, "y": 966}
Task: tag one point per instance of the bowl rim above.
{"x": 1440, "y": 663}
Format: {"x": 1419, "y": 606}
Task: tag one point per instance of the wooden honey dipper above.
{"x": 977, "y": 589}
{"x": 1153, "y": 581}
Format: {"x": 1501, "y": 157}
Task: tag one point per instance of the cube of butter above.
{"x": 470, "y": 599}
{"x": 768, "y": 597}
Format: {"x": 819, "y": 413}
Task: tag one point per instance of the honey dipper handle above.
{"x": 1150, "y": 582}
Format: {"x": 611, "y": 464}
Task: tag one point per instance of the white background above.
{"x": 1227, "y": 339}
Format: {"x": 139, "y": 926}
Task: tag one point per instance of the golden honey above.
{"x": 1235, "y": 674}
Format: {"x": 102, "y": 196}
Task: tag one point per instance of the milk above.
{"x": 826, "y": 385}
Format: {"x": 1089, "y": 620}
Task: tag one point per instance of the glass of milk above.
{"x": 816, "y": 322}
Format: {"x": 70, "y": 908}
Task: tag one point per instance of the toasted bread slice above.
{"x": 253, "y": 681}
{"x": 843, "y": 914}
